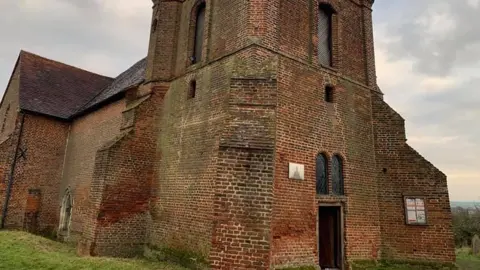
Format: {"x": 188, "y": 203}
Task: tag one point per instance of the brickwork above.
{"x": 290, "y": 28}
{"x": 161, "y": 51}
{"x": 330, "y": 128}
{"x": 402, "y": 171}
{"x": 39, "y": 167}
{"x": 86, "y": 136}
{"x": 118, "y": 216}
{"x": 244, "y": 181}
{"x": 32, "y": 210}
{"x": 207, "y": 175}
{"x": 7, "y": 149}
{"x": 188, "y": 140}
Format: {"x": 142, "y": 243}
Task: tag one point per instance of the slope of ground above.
{"x": 467, "y": 261}
{"x": 20, "y": 250}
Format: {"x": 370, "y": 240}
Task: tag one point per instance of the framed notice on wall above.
{"x": 415, "y": 210}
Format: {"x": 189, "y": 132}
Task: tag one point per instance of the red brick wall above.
{"x": 294, "y": 28}
{"x": 6, "y": 150}
{"x": 41, "y": 168}
{"x": 32, "y": 210}
{"x": 226, "y": 27}
{"x": 87, "y": 134}
{"x": 307, "y": 126}
{"x": 188, "y": 140}
{"x": 402, "y": 171}
{"x": 162, "y": 46}
{"x": 290, "y": 27}
{"x": 245, "y": 167}
{"x": 119, "y": 199}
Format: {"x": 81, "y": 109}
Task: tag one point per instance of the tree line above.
{"x": 466, "y": 224}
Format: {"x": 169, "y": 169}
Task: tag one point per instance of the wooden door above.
{"x": 329, "y": 237}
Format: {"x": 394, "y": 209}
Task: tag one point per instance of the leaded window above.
{"x": 337, "y": 175}
{"x": 199, "y": 29}
{"x": 325, "y": 35}
{"x": 321, "y": 175}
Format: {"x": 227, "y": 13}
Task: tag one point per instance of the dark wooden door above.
{"x": 329, "y": 239}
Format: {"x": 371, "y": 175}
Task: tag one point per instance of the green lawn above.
{"x": 19, "y": 250}
{"x": 467, "y": 261}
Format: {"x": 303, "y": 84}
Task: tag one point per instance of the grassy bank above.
{"x": 19, "y": 250}
{"x": 467, "y": 261}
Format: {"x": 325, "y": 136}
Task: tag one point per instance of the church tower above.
{"x": 275, "y": 147}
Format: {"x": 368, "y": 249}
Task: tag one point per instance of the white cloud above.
{"x": 441, "y": 109}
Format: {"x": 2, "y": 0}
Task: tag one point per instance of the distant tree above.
{"x": 466, "y": 223}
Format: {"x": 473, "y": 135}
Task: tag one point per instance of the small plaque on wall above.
{"x": 296, "y": 171}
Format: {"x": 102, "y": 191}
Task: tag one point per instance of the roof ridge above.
{"x": 22, "y": 52}
{"x": 88, "y": 105}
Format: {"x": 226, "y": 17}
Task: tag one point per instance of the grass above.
{"x": 467, "y": 261}
{"x": 20, "y": 250}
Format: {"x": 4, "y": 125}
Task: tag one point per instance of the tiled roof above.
{"x": 53, "y": 88}
{"x": 131, "y": 77}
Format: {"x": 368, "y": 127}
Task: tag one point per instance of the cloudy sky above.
{"x": 427, "y": 53}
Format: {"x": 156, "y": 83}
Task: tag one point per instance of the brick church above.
{"x": 252, "y": 136}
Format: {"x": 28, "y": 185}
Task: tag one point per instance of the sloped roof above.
{"x": 131, "y": 77}
{"x": 56, "y": 89}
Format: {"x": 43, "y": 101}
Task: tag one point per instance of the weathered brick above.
{"x": 208, "y": 175}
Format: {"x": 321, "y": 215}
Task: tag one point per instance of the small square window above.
{"x": 415, "y": 210}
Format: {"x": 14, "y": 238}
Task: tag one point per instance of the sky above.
{"x": 427, "y": 57}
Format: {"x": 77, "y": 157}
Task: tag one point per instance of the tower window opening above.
{"x": 329, "y": 94}
{"x": 199, "y": 29}
{"x": 325, "y": 42}
{"x": 192, "y": 89}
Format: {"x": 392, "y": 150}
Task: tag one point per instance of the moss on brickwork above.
{"x": 401, "y": 265}
{"x": 185, "y": 258}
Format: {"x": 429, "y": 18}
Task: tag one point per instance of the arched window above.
{"x": 337, "y": 175}
{"x": 325, "y": 43}
{"x": 199, "y": 29}
{"x": 321, "y": 175}
{"x": 66, "y": 214}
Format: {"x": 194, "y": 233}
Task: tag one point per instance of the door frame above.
{"x": 341, "y": 208}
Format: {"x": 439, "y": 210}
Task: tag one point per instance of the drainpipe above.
{"x": 12, "y": 174}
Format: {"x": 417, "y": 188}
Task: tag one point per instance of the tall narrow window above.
{"x": 337, "y": 175}
{"x": 192, "y": 89}
{"x": 199, "y": 27}
{"x": 325, "y": 45}
{"x": 321, "y": 171}
{"x": 329, "y": 94}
